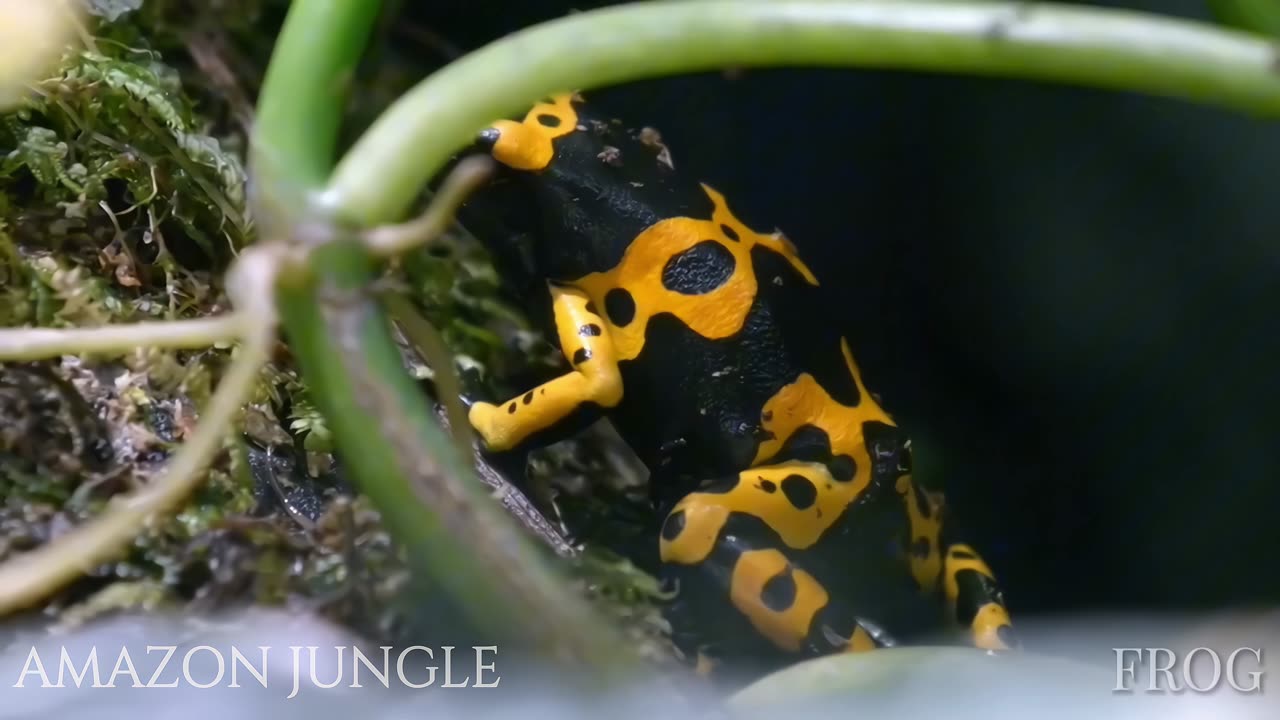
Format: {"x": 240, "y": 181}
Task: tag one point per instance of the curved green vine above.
{"x": 379, "y": 421}
{"x": 1110, "y": 49}
{"x": 421, "y": 482}
{"x": 421, "y": 479}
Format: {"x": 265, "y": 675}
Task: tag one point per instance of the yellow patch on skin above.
{"x": 984, "y": 629}
{"x": 805, "y": 402}
{"x": 716, "y": 314}
{"x": 860, "y": 642}
{"x": 923, "y": 527}
{"x": 704, "y": 666}
{"x": 585, "y": 342}
{"x": 705, "y": 513}
{"x": 703, "y": 521}
{"x": 955, "y": 563}
{"x": 786, "y": 628}
{"x": 527, "y": 145}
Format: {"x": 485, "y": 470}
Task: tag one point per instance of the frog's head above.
{"x": 572, "y": 192}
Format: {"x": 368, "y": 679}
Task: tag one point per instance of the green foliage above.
{"x": 108, "y": 153}
{"x": 1259, "y": 16}
{"x": 119, "y": 199}
{"x": 122, "y": 197}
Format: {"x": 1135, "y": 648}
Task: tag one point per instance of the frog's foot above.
{"x": 977, "y": 599}
{"x": 474, "y": 389}
{"x": 472, "y": 386}
{"x": 494, "y": 467}
{"x": 723, "y": 540}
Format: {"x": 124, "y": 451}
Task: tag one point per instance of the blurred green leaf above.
{"x": 1259, "y": 16}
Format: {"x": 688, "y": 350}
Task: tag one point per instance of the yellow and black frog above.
{"x": 793, "y": 527}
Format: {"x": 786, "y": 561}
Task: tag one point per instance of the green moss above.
{"x": 123, "y": 197}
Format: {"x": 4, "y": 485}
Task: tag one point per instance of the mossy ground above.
{"x": 123, "y": 197}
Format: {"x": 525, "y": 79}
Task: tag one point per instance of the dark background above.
{"x": 1068, "y": 296}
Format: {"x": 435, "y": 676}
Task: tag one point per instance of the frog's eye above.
{"x": 519, "y": 146}
{"x": 488, "y": 137}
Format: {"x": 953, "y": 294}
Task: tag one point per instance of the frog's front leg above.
{"x": 976, "y": 598}
{"x": 579, "y": 396}
{"x": 734, "y": 537}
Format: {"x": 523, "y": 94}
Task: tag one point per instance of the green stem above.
{"x": 422, "y": 483}
{"x": 30, "y": 577}
{"x": 431, "y": 347}
{"x": 379, "y": 177}
{"x": 455, "y": 535}
{"x": 303, "y": 95}
{"x": 41, "y": 343}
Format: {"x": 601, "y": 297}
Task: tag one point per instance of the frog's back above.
{"x": 710, "y": 317}
{"x": 786, "y": 488}
{"x": 708, "y": 365}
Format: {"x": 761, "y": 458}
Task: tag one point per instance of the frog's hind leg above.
{"x": 976, "y": 598}
{"x": 734, "y": 538}
{"x": 936, "y": 553}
